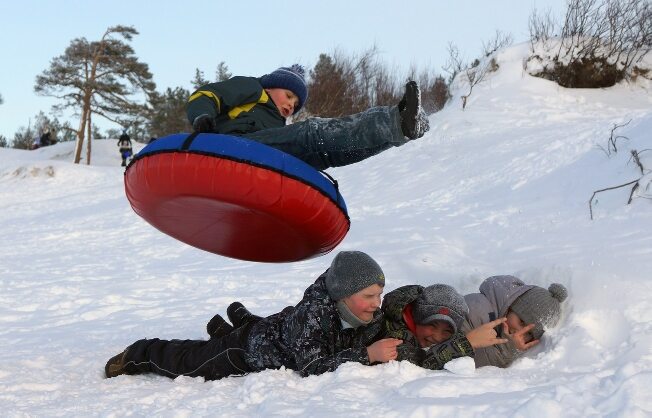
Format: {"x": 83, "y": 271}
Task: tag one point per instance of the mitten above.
{"x": 204, "y": 123}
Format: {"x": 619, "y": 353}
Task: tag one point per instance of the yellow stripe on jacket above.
{"x": 233, "y": 113}
{"x": 208, "y": 94}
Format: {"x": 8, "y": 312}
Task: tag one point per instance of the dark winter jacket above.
{"x": 496, "y": 295}
{"x": 124, "y": 142}
{"x": 239, "y": 105}
{"x": 309, "y": 337}
{"x": 394, "y": 326}
{"x": 45, "y": 140}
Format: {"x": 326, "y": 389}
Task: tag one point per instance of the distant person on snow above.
{"x": 36, "y": 144}
{"x": 46, "y": 138}
{"x": 337, "y": 321}
{"x": 257, "y": 108}
{"x": 124, "y": 144}
{"x": 42, "y": 140}
{"x": 528, "y": 309}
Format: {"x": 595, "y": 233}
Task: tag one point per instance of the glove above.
{"x": 204, "y": 123}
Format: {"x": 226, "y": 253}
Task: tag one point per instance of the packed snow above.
{"x": 502, "y": 187}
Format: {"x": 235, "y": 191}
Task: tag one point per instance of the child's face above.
{"x": 434, "y": 333}
{"x": 284, "y": 99}
{"x": 364, "y": 303}
{"x": 515, "y": 324}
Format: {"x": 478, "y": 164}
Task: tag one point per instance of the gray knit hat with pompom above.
{"x": 540, "y": 307}
{"x": 350, "y": 272}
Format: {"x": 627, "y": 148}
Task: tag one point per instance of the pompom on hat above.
{"x": 540, "y": 307}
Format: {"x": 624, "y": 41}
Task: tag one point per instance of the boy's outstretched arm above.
{"x": 314, "y": 344}
{"x": 440, "y": 354}
{"x": 383, "y": 350}
{"x": 485, "y": 335}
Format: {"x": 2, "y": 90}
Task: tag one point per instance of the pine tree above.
{"x": 199, "y": 79}
{"x": 222, "y": 73}
{"x": 98, "y": 77}
{"x": 168, "y": 112}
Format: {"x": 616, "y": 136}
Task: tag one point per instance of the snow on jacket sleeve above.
{"x": 438, "y": 355}
{"x": 319, "y": 344}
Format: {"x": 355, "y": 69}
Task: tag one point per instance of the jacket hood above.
{"x": 502, "y": 291}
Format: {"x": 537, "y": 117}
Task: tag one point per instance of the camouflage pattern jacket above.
{"x": 394, "y": 326}
{"x": 309, "y": 337}
{"x": 497, "y": 293}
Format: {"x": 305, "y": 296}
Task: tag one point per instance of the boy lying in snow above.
{"x": 337, "y": 320}
{"x": 527, "y": 308}
{"x": 429, "y": 320}
{"x": 426, "y": 319}
{"x": 257, "y": 108}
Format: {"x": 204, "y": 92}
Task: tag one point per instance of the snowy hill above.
{"x": 499, "y": 188}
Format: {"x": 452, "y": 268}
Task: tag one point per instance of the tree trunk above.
{"x": 80, "y": 135}
{"x": 88, "y": 132}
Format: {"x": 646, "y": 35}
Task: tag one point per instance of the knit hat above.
{"x": 440, "y": 302}
{"x": 290, "y": 78}
{"x": 350, "y": 272}
{"x": 540, "y": 307}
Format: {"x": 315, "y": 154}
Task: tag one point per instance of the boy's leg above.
{"x": 335, "y": 142}
{"x": 212, "y": 359}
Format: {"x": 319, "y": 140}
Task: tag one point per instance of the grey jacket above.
{"x": 497, "y": 293}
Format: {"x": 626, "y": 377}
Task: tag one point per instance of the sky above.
{"x": 501, "y": 187}
{"x": 252, "y": 38}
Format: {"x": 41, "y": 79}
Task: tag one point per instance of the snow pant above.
{"x": 125, "y": 153}
{"x": 335, "y": 142}
{"x": 212, "y": 359}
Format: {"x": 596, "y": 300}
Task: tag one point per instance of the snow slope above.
{"x": 499, "y": 188}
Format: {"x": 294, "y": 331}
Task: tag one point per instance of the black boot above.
{"x": 217, "y": 327}
{"x": 239, "y": 315}
{"x": 116, "y": 365}
{"x": 414, "y": 122}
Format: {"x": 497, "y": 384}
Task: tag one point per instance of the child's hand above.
{"x": 383, "y": 350}
{"x": 485, "y": 335}
{"x": 203, "y": 123}
{"x": 522, "y": 338}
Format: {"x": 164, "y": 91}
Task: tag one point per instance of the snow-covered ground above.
{"x": 500, "y": 188}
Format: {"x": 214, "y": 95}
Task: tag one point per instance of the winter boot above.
{"x": 414, "y": 122}
{"x": 116, "y": 365}
{"x": 217, "y": 327}
{"x": 239, "y": 315}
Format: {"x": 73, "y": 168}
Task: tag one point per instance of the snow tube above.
{"x": 235, "y": 197}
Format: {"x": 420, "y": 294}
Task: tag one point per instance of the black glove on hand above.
{"x": 204, "y": 123}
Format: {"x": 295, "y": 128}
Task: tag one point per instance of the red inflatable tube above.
{"x": 234, "y": 208}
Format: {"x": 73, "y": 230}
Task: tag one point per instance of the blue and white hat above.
{"x": 290, "y": 78}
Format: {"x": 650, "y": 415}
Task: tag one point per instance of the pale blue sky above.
{"x": 252, "y": 37}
